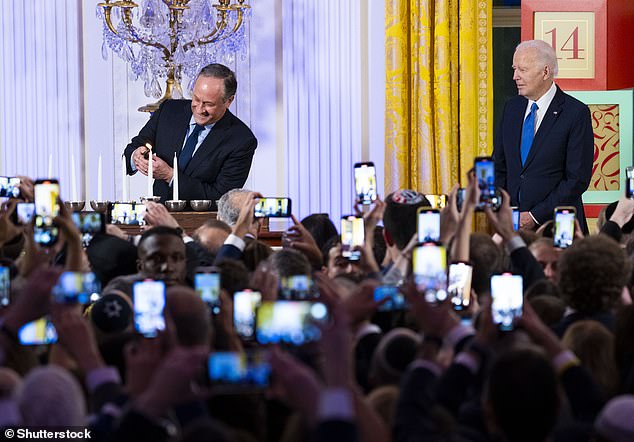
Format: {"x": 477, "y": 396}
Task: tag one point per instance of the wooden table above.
{"x": 190, "y": 221}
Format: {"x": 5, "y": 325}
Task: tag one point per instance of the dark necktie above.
{"x": 188, "y": 150}
{"x": 528, "y": 133}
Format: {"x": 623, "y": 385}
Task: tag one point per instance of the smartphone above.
{"x": 89, "y": 224}
{"x": 46, "y": 193}
{"x": 244, "y": 306}
{"x": 148, "y": 298}
{"x": 273, "y": 208}
{"x": 460, "y": 198}
{"x": 207, "y": 285}
{"x": 5, "y": 286}
{"x": 297, "y": 288}
{"x": 24, "y": 213}
{"x": 564, "y": 227}
{"x": 485, "y": 174}
{"x": 76, "y": 288}
{"x": 459, "y": 287}
{"x": 395, "y": 302}
{"x": 38, "y": 332}
{"x": 365, "y": 182}
{"x": 428, "y": 224}
{"x": 437, "y": 201}
{"x": 516, "y": 218}
{"x": 130, "y": 214}
{"x": 629, "y": 182}
{"x": 289, "y": 322}
{"x": 250, "y": 370}
{"x": 507, "y": 293}
{"x": 430, "y": 271}
{"x": 352, "y": 235}
{"x": 10, "y": 187}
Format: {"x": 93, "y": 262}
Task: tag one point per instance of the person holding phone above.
{"x": 214, "y": 147}
{"x": 544, "y": 146}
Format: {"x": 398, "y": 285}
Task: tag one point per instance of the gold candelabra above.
{"x": 173, "y": 36}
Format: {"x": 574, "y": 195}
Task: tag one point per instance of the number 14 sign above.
{"x": 592, "y": 39}
{"x": 571, "y": 34}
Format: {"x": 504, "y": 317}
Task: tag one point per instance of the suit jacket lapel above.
{"x": 553, "y": 112}
{"x": 179, "y": 137}
{"x": 516, "y": 130}
{"x": 210, "y": 145}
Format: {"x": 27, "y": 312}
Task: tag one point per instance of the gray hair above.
{"x": 222, "y": 72}
{"x": 229, "y": 206}
{"x": 545, "y": 53}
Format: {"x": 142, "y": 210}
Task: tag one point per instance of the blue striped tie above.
{"x": 528, "y": 133}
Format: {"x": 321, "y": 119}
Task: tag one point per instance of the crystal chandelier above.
{"x": 173, "y": 39}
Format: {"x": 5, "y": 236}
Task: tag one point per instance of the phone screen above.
{"x": 437, "y": 201}
{"x": 507, "y": 293}
{"x": 485, "y": 174}
{"x": 289, "y": 322}
{"x": 629, "y": 182}
{"x": 76, "y": 287}
{"x": 564, "y": 227}
{"x": 352, "y": 235}
{"x": 244, "y": 305}
{"x": 5, "y": 286}
{"x": 149, "y": 302}
{"x": 459, "y": 287}
{"x": 46, "y": 194}
{"x": 396, "y": 300}
{"x": 297, "y": 288}
{"x": 516, "y": 218}
{"x": 233, "y": 369}
{"x": 9, "y": 187}
{"x": 38, "y": 332}
{"x": 428, "y": 225}
{"x": 430, "y": 271}
{"x": 273, "y": 208}
{"x": 365, "y": 182}
{"x": 207, "y": 285}
{"x": 24, "y": 213}
{"x": 460, "y": 198}
{"x": 130, "y": 214}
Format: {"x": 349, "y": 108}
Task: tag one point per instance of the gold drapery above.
{"x": 439, "y": 91}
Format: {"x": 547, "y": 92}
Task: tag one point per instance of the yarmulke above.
{"x": 615, "y": 420}
{"x": 111, "y": 313}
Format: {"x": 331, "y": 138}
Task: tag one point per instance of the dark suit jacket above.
{"x": 221, "y": 163}
{"x": 559, "y": 165}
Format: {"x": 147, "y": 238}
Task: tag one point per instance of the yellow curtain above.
{"x": 439, "y": 91}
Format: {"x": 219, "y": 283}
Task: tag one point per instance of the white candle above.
{"x": 150, "y": 172}
{"x": 175, "y": 182}
{"x": 50, "y": 166}
{"x": 99, "y": 179}
{"x": 124, "y": 178}
{"x": 73, "y": 178}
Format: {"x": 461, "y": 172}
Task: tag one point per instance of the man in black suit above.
{"x": 544, "y": 147}
{"x": 213, "y": 146}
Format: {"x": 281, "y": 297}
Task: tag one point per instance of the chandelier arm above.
{"x": 127, "y": 20}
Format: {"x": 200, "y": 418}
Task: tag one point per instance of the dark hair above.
{"x": 320, "y": 226}
{"x": 549, "y": 308}
{"x": 157, "y": 231}
{"x": 234, "y": 275}
{"x": 542, "y": 287}
{"x": 399, "y": 218}
{"x": 325, "y": 250}
{"x": 216, "y": 70}
{"x": 254, "y": 253}
{"x": 217, "y": 224}
{"x": 522, "y": 391}
{"x": 486, "y": 259}
{"x": 380, "y": 248}
{"x": 592, "y": 274}
{"x": 289, "y": 262}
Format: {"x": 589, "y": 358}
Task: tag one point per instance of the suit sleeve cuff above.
{"x": 236, "y": 241}
{"x": 514, "y": 243}
{"x": 132, "y": 165}
{"x": 534, "y": 219}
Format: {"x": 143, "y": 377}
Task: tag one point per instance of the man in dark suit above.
{"x": 544, "y": 147}
{"x": 213, "y": 146}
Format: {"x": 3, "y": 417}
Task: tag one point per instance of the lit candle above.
{"x": 73, "y": 178}
{"x": 99, "y": 176}
{"x": 175, "y": 182}
{"x": 50, "y": 165}
{"x": 124, "y": 178}
{"x": 150, "y": 171}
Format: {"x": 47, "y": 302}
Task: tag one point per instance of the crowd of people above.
{"x": 424, "y": 372}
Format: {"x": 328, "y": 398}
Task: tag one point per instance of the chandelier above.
{"x": 172, "y": 39}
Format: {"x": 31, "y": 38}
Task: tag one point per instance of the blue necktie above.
{"x": 188, "y": 150}
{"x": 528, "y": 133}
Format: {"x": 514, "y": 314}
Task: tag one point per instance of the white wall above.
{"x": 312, "y": 90}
